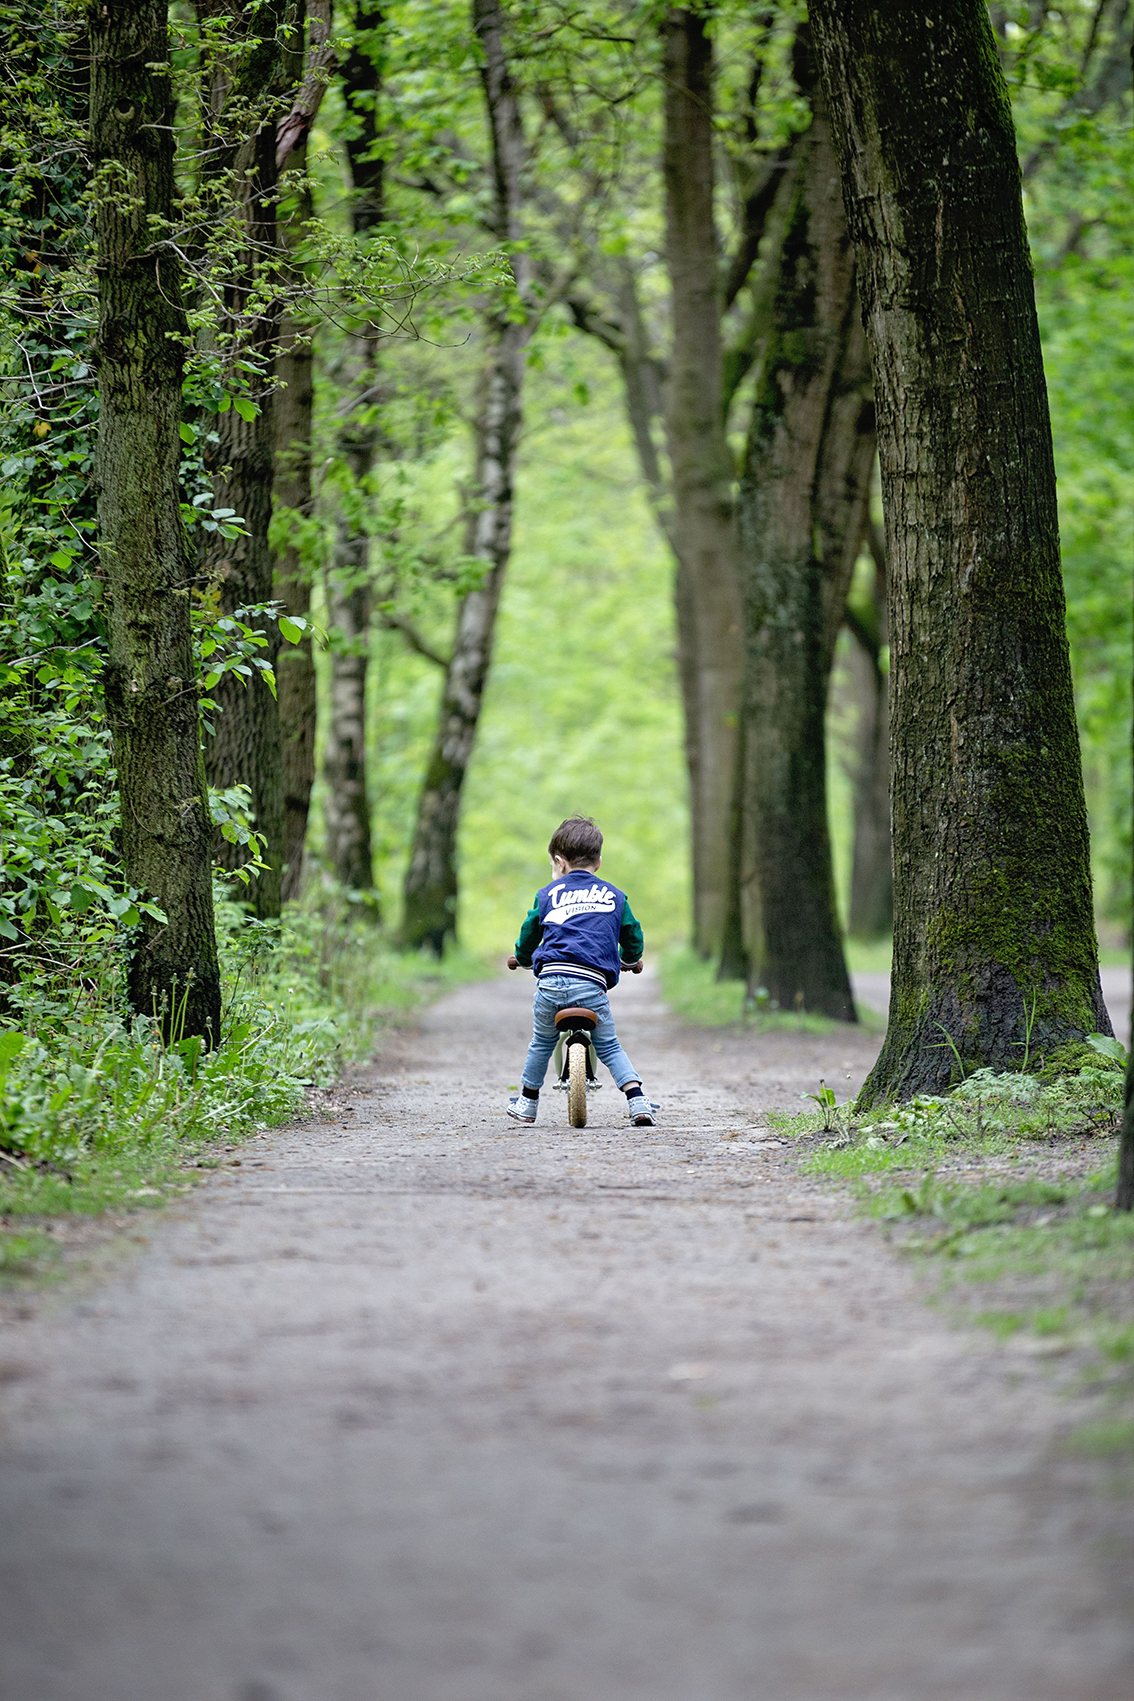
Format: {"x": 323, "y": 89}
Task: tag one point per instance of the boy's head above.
{"x": 577, "y": 843}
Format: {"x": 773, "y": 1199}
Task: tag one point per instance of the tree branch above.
{"x": 399, "y": 623}
{"x": 1112, "y": 80}
{"x": 321, "y": 65}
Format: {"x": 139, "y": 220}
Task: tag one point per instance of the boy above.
{"x": 577, "y": 937}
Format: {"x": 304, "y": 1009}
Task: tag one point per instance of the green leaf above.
{"x": 1107, "y": 1047}
{"x": 188, "y": 433}
{"x": 11, "y": 1045}
{"x": 245, "y": 407}
{"x": 290, "y": 629}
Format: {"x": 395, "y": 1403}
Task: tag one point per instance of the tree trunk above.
{"x": 246, "y": 748}
{"x": 994, "y": 938}
{"x": 292, "y": 408}
{"x": 708, "y": 595}
{"x": 347, "y": 807}
{"x": 1124, "y": 1195}
{"x": 150, "y": 683}
{"x": 295, "y": 666}
{"x": 349, "y": 850}
{"x": 802, "y": 507}
{"x": 871, "y": 913}
{"x": 430, "y": 912}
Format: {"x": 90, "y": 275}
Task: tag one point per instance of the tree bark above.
{"x": 292, "y": 420}
{"x": 871, "y": 913}
{"x": 150, "y": 683}
{"x": 1124, "y": 1194}
{"x": 295, "y": 665}
{"x": 349, "y": 850}
{"x": 994, "y": 938}
{"x": 802, "y": 507}
{"x": 347, "y": 808}
{"x": 246, "y": 748}
{"x": 708, "y": 593}
{"x": 430, "y": 893}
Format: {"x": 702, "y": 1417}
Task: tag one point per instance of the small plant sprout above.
{"x": 825, "y": 1099}
{"x": 1029, "y": 1025}
{"x": 949, "y": 1041}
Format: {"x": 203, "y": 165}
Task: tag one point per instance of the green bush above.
{"x": 96, "y": 1109}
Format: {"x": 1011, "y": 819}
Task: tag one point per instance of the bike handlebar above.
{"x": 631, "y": 968}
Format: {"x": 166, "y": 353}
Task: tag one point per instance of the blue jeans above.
{"x": 558, "y": 992}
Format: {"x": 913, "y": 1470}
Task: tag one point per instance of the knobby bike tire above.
{"x": 577, "y": 1085}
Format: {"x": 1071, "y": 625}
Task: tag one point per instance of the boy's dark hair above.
{"x": 577, "y": 840}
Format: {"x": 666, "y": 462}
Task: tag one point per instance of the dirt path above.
{"x": 413, "y": 1406}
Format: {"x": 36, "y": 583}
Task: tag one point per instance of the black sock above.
{"x": 530, "y": 1092}
{"x": 633, "y": 1090}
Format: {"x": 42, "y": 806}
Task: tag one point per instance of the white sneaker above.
{"x": 523, "y": 1109}
{"x": 641, "y": 1111}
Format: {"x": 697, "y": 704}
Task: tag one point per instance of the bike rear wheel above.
{"x": 577, "y": 1085}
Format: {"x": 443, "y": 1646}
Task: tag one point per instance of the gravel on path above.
{"x": 414, "y": 1405}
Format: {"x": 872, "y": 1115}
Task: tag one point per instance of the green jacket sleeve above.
{"x": 630, "y": 941}
{"x": 530, "y": 935}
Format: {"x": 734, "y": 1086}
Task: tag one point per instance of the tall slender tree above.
{"x": 347, "y": 807}
{"x": 704, "y": 528}
{"x": 802, "y": 509}
{"x": 244, "y": 98}
{"x": 870, "y": 913}
{"x": 995, "y": 953}
{"x": 292, "y": 406}
{"x": 430, "y": 893}
{"x": 150, "y": 684}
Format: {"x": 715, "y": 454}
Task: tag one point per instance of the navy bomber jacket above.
{"x": 580, "y": 925}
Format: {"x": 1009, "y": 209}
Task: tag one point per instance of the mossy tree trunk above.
{"x": 994, "y": 939}
{"x": 150, "y": 684}
{"x": 707, "y": 591}
{"x": 430, "y": 892}
{"x": 802, "y": 508}
{"x": 349, "y": 849}
{"x": 1124, "y": 1197}
{"x": 246, "y": 748}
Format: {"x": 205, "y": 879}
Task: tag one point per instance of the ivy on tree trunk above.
{"x": 150, "y": 683}
{"x": 246, "y": 747}
{"x": 995, "y": 956}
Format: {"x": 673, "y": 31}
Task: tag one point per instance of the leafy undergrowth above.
{"x": 96, "y": 1114}
{"x": 1002, "y": 1190}
{"x": 690, "y": 988}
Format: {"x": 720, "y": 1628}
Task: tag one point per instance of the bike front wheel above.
{"x": 577, "y": 1085}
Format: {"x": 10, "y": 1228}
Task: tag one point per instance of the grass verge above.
{"x": 1002, "y": 1191}
{"x": 97, "y": 1114}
